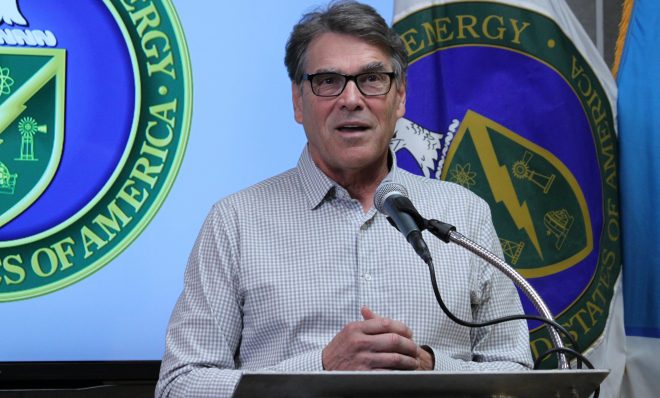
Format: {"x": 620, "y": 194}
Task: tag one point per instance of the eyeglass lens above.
{"x": 333, "y": 84}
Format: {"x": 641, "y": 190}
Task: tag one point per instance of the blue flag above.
{"x": 639, "y": 126}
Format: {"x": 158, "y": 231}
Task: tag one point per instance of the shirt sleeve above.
{"x": 205, "y": 329}
{"x": 501, "y": 347}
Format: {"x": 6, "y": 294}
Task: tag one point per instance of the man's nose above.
{"x": 351, "y": 98}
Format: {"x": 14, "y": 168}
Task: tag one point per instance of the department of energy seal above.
{"x": 95, "y": 107}
{"x": 501, "y": 101}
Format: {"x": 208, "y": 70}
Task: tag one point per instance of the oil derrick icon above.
{"x": 558, "y": 223}
{"x": 522, "y": 170}
{"x": 512, "y": 249}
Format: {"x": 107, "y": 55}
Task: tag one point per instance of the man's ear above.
{"x": 401, "y": 106}
{"x": 296, "y": 97}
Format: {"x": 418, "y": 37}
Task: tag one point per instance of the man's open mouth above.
{"x": 352, "y": 128}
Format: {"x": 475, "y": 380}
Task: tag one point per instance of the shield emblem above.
{"x": 32, "y": 96}
{"x": 540, "y": 237}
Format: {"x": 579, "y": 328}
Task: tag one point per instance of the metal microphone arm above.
{"x": 448, "y": 233}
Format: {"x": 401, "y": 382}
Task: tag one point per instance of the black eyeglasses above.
{"x": 370, "y": 84}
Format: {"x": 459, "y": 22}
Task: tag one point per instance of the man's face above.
{"x": 350, "y": 132}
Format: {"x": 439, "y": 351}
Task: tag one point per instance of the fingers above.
{"x": 393, "y": 342}
{"x": 351, "y": 349}
{"x": 375, "y": 343}
{"x": 426, "y": 358}
{"x": 362, "y": 336}
{"x": 388, "y": 361}
{"x": 379, "y": 325}
{"x": 390, "y": 334}
{"x": 367, "y": 313}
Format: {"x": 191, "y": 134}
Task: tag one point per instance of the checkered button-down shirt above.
{"x": 279, "y": 268}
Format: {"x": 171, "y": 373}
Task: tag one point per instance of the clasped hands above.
{"x": 375, "y": 343}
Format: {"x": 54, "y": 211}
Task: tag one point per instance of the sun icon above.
{"x": 461, "y": 174}
{"x": 5, "y": 81}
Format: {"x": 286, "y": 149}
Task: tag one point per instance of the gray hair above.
{"x": 345, "y": 17}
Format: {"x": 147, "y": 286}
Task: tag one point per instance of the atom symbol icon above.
{"x": 5, "y": 81}
{"x": 463, "y": 175}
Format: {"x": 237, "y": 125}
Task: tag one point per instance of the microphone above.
{"x": 391, "y": 199}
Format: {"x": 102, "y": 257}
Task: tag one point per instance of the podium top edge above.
{"x": 431, "y": 372}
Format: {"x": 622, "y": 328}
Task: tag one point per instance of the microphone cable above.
{"x": 574, "y": 352}
{"x": 398, "y": 195}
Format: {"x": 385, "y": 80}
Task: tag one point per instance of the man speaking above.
{"x": 301, "y": 273}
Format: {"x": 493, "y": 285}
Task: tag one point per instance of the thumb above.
{"x": 367, "y": 313}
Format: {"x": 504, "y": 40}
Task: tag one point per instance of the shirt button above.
{"x": 367, "y": 277}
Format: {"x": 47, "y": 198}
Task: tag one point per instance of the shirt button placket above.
{"x": 365, "y": 270}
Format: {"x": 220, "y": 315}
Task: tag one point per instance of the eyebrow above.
{"x": 373, "y": 67}
{"x": 376, "y": 66}
{"x": 326, "y": 70}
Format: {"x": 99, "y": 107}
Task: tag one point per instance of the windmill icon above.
{"x": 28, "y": 127}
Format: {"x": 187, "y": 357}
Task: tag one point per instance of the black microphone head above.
{"x": 385, "y": 190}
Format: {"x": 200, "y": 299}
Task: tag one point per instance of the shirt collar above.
{"x": 317, "y": 186}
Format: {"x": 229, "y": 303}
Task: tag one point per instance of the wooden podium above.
{"x": 400, "y": 384}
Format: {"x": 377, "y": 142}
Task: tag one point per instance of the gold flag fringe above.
{"x": 623, "y": 32}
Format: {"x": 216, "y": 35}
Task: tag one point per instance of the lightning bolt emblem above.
{"x": 15, "y": 104}
{"x": 498, "y": 177}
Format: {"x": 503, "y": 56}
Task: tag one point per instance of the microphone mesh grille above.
{"x": 384, "y": 190}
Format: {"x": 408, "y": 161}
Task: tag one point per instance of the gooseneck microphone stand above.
{"x": 448, "y": 233}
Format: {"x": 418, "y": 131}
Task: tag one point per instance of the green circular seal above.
{"x": 95, "y": 110}
{"x": 512, "y": 107}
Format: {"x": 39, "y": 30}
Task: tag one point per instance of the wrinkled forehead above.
{"x": 336, "y": 52}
